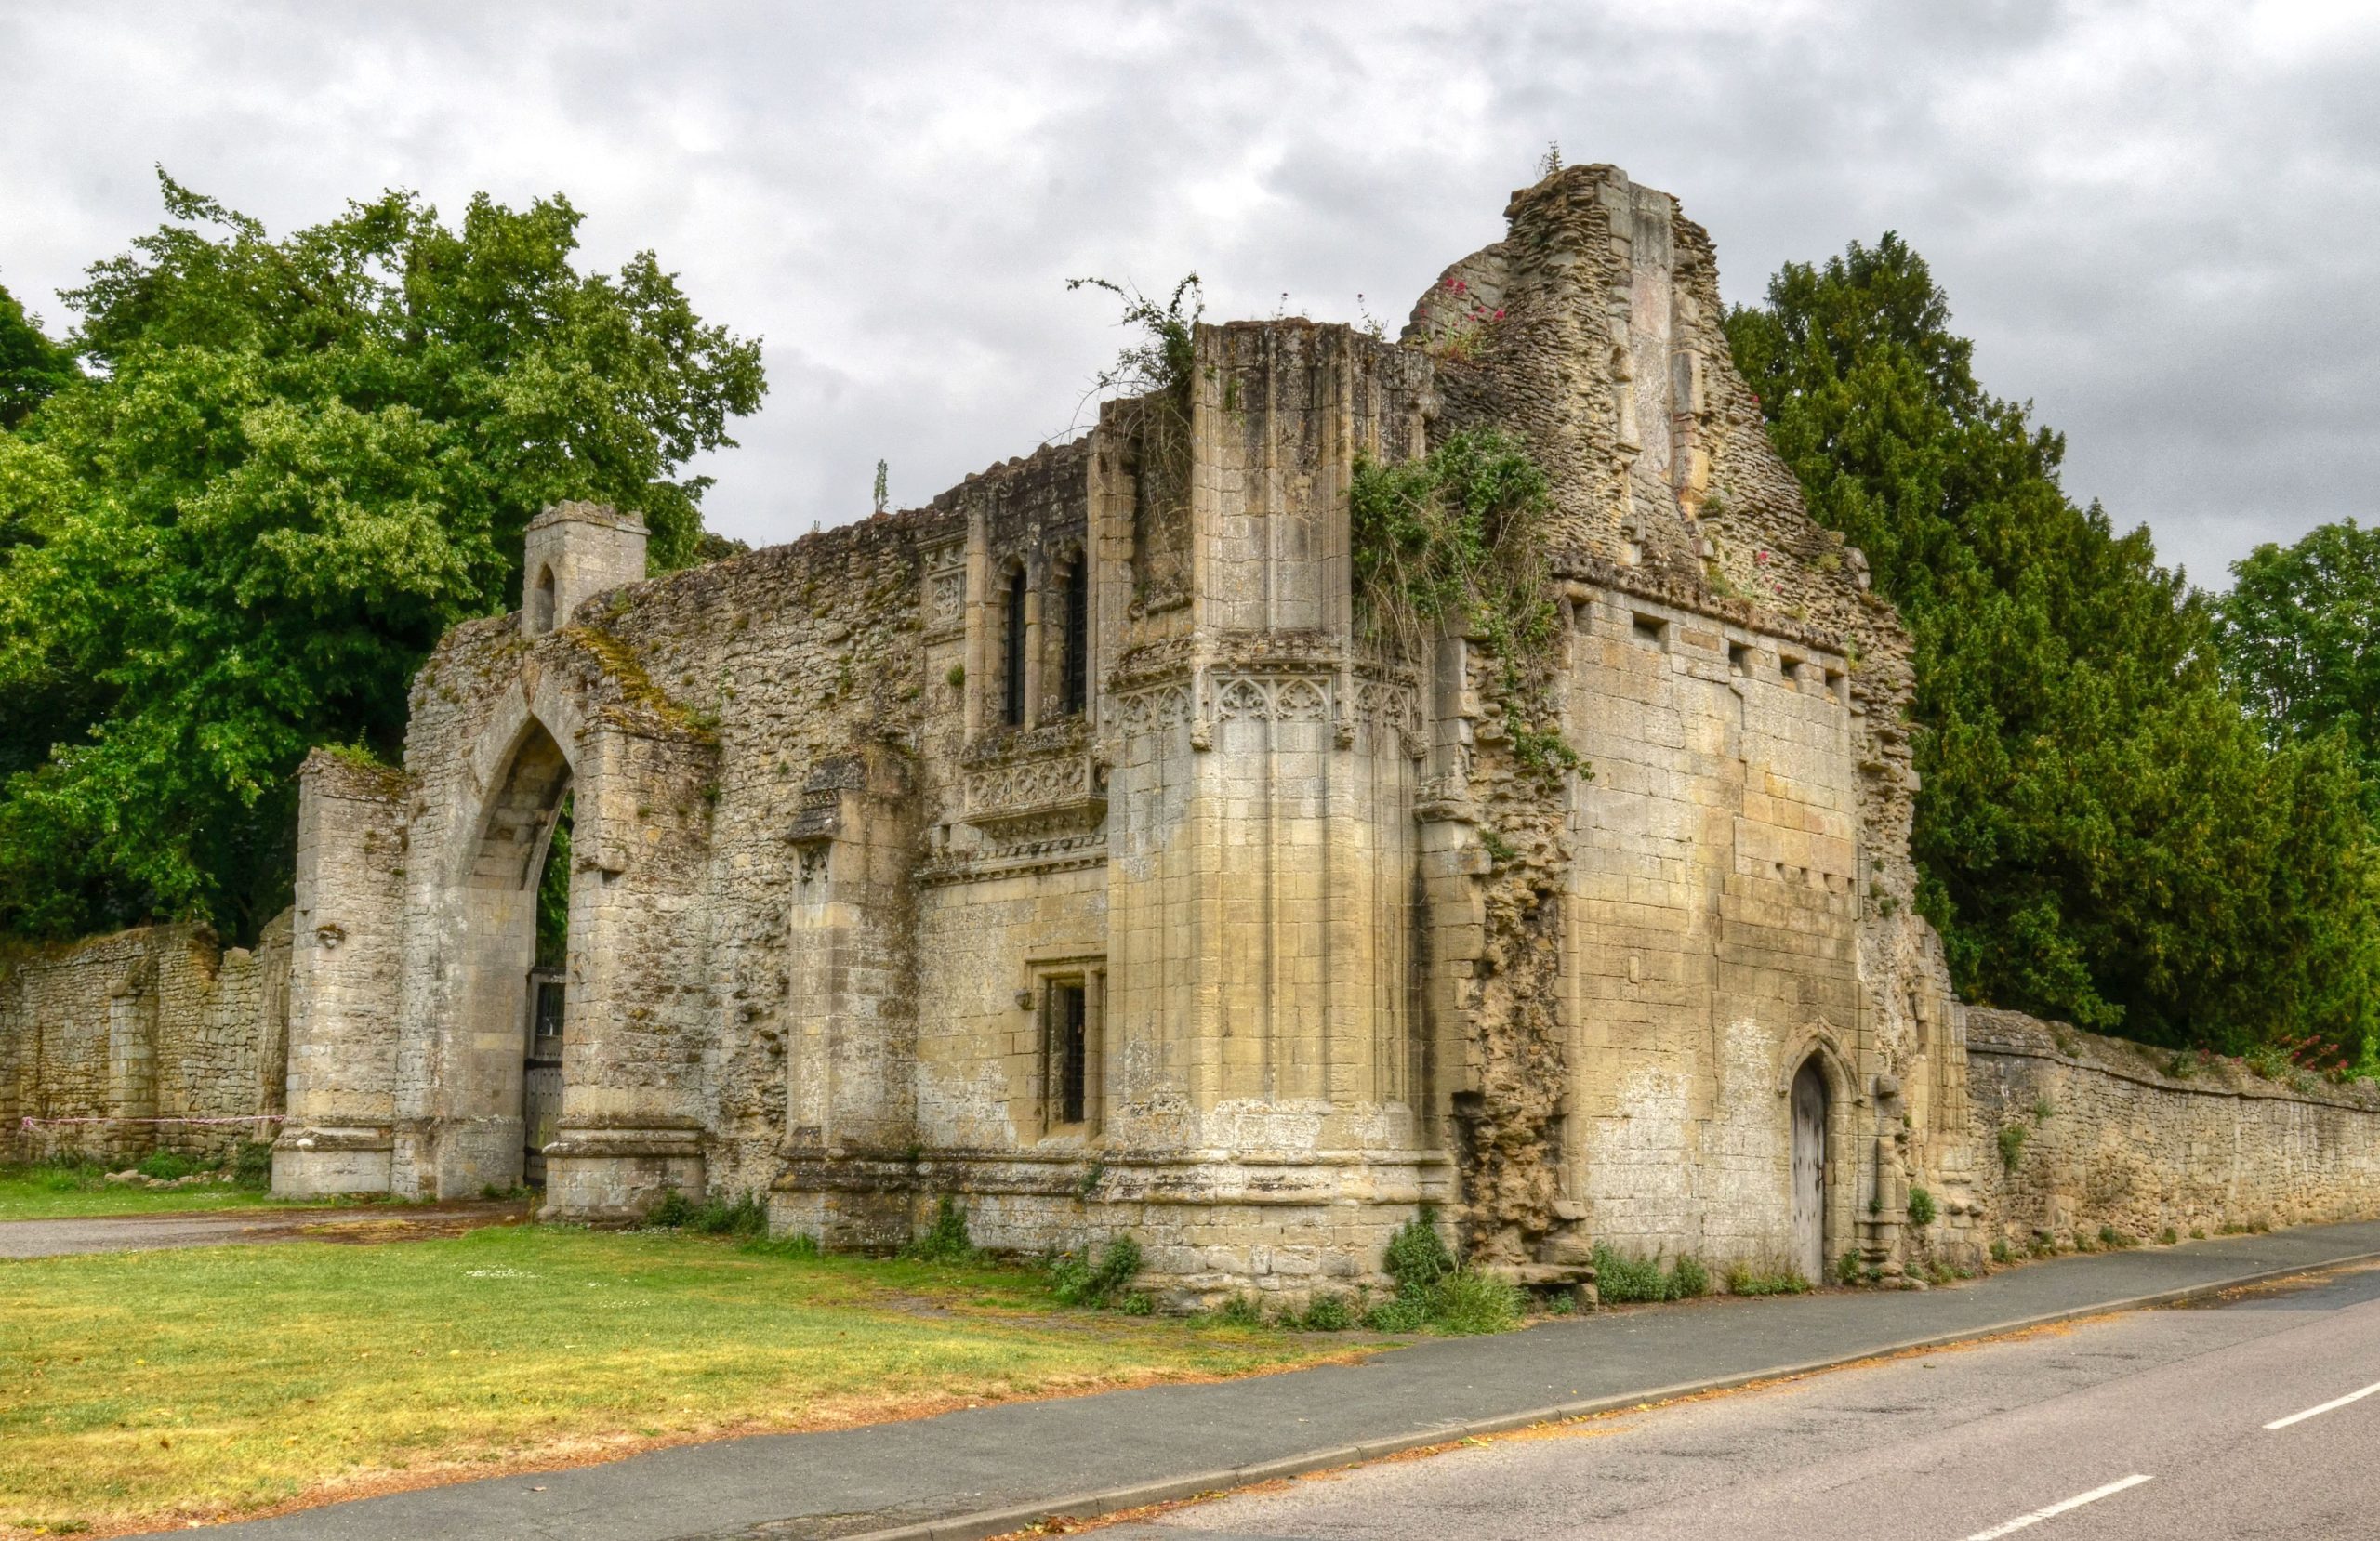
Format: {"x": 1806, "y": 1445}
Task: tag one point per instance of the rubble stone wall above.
{"x": 2145, "y": 1140}
{"x": 108, "y": 1044}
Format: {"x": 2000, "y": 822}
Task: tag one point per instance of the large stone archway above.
{"x": 632, "y": 1092}
{"x": 470, "y": 1134}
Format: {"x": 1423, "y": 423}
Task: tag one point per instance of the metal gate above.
{"x": 541, "y": 1075}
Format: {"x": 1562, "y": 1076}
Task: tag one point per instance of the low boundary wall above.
{"x": 2075, "y": 1132}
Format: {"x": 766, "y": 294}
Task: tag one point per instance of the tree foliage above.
{"x": 2300, "y": 633}
{"x": 32, "y": 368}
{"x": 294, "y": 463}
{"x": 2104, "y": 833}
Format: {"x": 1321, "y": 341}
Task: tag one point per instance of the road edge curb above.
{"x": 981, "y": 1524}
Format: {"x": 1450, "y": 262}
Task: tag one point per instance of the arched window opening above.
{"x": 501, "y": 1048}
{"x": 1074, "y": 675}
{"x": 1012, "y": 653}
{"x": 541, "y": 603}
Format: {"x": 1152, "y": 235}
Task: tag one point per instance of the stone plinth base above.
{"x": 472, "y": 1155}
{"x": 616, "y": 1176}
{"x": 1210, "y": 1226}
{"x": 316, "y": 1162}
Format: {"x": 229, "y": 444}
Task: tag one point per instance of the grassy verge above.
{"x": 152, "y": 1388}
{"x": 49, "y": 1192}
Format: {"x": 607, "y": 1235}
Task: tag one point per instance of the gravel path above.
{"x": 58, "y": 1238}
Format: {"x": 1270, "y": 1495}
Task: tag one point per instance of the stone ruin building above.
{"x": 1072, "y": 847}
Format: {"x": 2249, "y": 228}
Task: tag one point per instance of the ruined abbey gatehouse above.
{"x": 1081, "y": 847}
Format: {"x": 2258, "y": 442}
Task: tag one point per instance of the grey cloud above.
{"x": 2157, "y": 220}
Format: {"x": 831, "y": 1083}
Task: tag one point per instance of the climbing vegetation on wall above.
{"x": 1153, "y": 372}
{"x": 1458, "y": 536}
{"x": 293, "y": 463}
{"x": 2104, "y": 832}
{"x": 1454, "y": 540}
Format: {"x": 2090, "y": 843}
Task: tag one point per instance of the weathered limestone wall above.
{"x": 141, "y": 1028}
{"x": 1217, "y": 851}
{"x": 2114, "y": 1134}
{"x": 1713, "y": 941}
{"x": 344, "y": 963}
{"x": 693, "y": 720}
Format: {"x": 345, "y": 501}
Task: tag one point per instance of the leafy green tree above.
{"x": 32, "y": 368}
{"x": 2300, "y": 633}
{"x": 297, "y": 462}
{"x": 2103, "y": 833}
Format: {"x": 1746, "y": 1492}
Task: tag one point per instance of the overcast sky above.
{"x": 2160, "y": 223}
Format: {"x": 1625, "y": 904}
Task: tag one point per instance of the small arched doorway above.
{"x": 1809, "y": 1105}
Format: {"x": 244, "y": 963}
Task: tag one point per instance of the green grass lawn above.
{"x": 152, "y": 1388}
{"x": 44, "y": 1192}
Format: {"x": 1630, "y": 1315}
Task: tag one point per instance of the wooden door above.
{"x": 1809, "y": 1173}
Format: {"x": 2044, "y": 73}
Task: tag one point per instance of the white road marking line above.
{"x": 2328, "y": 1406}
{"x": 1996, "y": 1532}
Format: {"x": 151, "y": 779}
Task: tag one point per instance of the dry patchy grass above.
{"x": 153, "y": 1388}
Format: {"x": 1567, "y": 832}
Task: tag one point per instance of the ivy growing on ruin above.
{"x": 1155, "y": 373}
{"x": 1458, "y": 536}
{"x": 1456, "y": 540}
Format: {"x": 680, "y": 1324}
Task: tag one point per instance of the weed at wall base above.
{"x": 1744, "y": 1280}
{"x": 1433, "y": 1290}
{"x": 1623, "y": 1279}
{"x": 1077, "y": 1279}
{"x": 945, "y": 1241}
{"x": 743, "y": 1216}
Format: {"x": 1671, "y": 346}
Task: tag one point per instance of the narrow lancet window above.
{"x": 1068, "y": 1047}
{"x": 1012, "y": 649}
{"x": 1075, "y": 678}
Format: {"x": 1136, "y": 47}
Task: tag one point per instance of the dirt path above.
{"x": 57, "y": 1238}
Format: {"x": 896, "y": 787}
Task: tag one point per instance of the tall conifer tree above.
{"x": 2104, "y": 833}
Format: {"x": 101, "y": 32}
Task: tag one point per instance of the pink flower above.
{"x": 1459, "y": 286}
{"x": 1500, "y": 315}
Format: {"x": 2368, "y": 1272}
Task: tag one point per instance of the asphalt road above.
{"x": 2152, "y": 1425}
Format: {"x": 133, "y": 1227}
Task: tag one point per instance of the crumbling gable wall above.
{"x": 1737, "y": 873}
